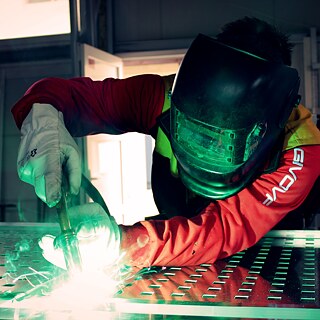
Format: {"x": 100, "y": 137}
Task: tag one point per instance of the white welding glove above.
{"x": 45, "y": 147}
{"x": 98, "y": 235}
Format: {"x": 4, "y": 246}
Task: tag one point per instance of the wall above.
{"x": 169, "y": 24}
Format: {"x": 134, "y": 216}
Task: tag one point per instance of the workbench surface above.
{"x": 276, "y": 278}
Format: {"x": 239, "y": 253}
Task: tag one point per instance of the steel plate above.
{"x": 278, "y": 278}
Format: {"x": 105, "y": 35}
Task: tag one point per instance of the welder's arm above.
{"x": 98, "y": 236}
{"x": 45, "y": 147}
{"x": 112, "y": 106}
{"x": 227, "y": 226}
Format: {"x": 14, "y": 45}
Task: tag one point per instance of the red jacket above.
{"x": 224, "y": 227}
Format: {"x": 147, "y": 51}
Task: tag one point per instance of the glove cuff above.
{"x": 42, "y": 116}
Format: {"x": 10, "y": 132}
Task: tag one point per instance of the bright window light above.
{"x": 32, "y": 18}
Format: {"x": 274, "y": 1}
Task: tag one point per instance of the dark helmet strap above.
{"x": 164, "y": 122}
{"x": 275, "y": 155}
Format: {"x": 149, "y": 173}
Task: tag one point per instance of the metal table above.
{"x": 278, "y": 278}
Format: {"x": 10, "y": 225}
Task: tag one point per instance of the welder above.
{"x": 235, "y": 151}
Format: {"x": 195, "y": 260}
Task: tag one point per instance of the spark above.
{"x": 59, "y": 291}
{"x": 39, "y": 273}
{"x": 83, "y": 290}
{"x": 74, "y": 296}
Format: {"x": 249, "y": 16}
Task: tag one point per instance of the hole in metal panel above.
{"x": 195, "y": 276}
{"x": 285, "y": 254}
{"x": 147, "y": 293}
{"x": 310, "y": 239}
{"x": 261, "y": 258}
{"x": 184, "y": 287}
{"x": 190, "y": 281}
{"x": 206, "y": 295}
{"x": 245, "y": 290}
{"x": 234, "y": 261}
{"x": 163, "y": 280}
{"x": 308, "y": 285}
{"x": 231, "y": 266}
{"x": 284, "y": 259}
{"x": 262, "y": 254}
{"x": 309, "y": 268}
{"x": 201, "y": 270}
{"x": 241, "y": 297}
{"x": 283, "y": 263}
{"x": 309, "y": 263}
{"x": 175, "y": 268}
{"x": 237, "y": 256}
{"x": 226, "y": 271}
{"x": 308, "y": 291}
{"x": 276, "y": 290}
{"x": 8, "y": 285}
{"x": 274, "y": 298}
{"x": 169, "y": 274}
{"x": 247, "y": 283}
{"x": 307, "y": 254}
{"x": 256, "y": 267}
{"x": 205, "y": 265}
{"x": 177, "y": 294}
{"x": 223, "y": 277}
{"x": 277, "y": 284}
{"x": 307, "y": 299}
{"x": 218, "y": 282}
{"x": 309, "y": 259}
{"x": 308, "y": 274}
{"x": 309, "y": 251}
{"x": 279, "y": 279}
{"x": 283, "y": 267}
{"x": 154, "y": 286}
{"x": 251, "y": 278}
{"x": 214, "y": 288}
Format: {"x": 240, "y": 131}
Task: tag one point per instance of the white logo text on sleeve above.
{"x": 289, "y": 179}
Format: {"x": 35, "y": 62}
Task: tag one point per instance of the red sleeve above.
{"x": 231, "y": 225}
{"x": 108, "y": 106}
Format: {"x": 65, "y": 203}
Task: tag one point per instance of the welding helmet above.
{"x": 228, "y": 110}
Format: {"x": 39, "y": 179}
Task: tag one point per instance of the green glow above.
{"x": 83, "y": 291}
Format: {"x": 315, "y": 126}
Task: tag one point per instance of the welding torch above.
{"x": 69, "y": 240}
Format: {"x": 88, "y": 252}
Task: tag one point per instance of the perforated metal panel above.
{"x": 21, "y": 261}
{"x": 277, "y": 278}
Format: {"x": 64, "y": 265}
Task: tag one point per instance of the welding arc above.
{"x": 93, "y": 193}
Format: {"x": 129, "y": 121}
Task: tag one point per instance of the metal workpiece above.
{"x": 278, "y": 278}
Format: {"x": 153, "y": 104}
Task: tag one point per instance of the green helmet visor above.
{"x": 203, "y": 142}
